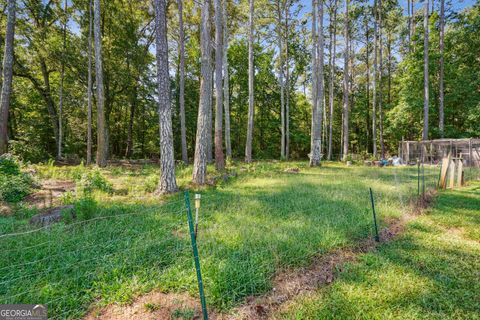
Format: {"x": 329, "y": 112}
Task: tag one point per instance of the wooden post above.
{"x": 443, "y": 173}
{"x": 470, "y": 156}
{"x": 460, "y": 173}
{"x": 451, "y": 178}
{"x": 408, "y": 152}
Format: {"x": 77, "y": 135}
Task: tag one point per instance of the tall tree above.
{"x": 279, "y": 28}
{"x": 205, "y": 107}
{"x": 332, "y": 66}
{"x": 346, "y": 87}
{"x": 167, "y": 183}
{"x": 317, "y": 113}
{"x": 314, "y": 79}
{"x": 89, "y": 85}
{"x": 442, "y": 70}
{"x": 62, "y": 80}
{"x": 226, "y": 80}
{"x": 287, "y": 80}
{"x": 181, "y": 49}
{"x": 251, "y": 106}
{"x": 219, "y": 156}
{"x": 425, "y": 72}
{"x": 380, "y": 78}
{"x": 7, "y": 76}
{"x": 374, "y": 77}
{"x": 101, "y": 127}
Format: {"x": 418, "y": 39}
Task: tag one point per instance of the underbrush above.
{"x": 15, "y": 185}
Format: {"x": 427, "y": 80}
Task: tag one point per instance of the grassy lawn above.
{"x": 126, "y": 241}
{"x": 431, "y": 272}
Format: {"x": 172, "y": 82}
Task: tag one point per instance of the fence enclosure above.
{"x": 433, "y": 151}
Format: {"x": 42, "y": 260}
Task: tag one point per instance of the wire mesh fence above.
{"x": 246, "y": 236}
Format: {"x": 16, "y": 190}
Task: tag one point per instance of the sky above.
{"x": 456, "y": 5}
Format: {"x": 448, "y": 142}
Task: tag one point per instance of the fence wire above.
{"x": 245, "y": 238}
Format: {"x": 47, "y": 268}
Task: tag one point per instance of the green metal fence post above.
{"x": 195, "y": 255}
{"x": 377, "y": 236}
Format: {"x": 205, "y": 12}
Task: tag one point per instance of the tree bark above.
{"x": 205, "y": 107}
{"x": 183, "y": 129}
{"x": 251, "y": 107}
{"x": 314, "y": 79}
{"x": 7, "y": 76}
{"x": 89, "y": 85}
{"x": 346, "y": 87}
{"x": 287, "y": 82}
{"x": 425, "y": 73}
{"x": 62, "y": 80}
{"x": 280, "y": 77}
{"x": 374, "y": 80}
{"x": 226, "y": 80}
{"x": 442, "y": 69}
{"x": 317, "y": 110}
{"x": 101, "y": 128}
{"x": 219, "y": 156}
{"x": 168, "y": 183}
{"x": 380, "y": 80}
{"x": 333, "y": 47}
{"x": 367, "y": 36}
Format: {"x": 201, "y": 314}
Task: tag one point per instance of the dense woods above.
{"x": 214, "y": 80}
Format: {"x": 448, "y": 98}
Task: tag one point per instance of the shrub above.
{"x": 151, "y": 183}
{"x": 14, "y": 184}
{"x": 94, "y": 180}
{"x": 85, "y": 208}
{"x": 9, "y": 165}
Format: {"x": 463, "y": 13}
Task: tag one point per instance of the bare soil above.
{"x": 49, "y": 194}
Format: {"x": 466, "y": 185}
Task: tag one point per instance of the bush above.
{"x": 85, "y": 208}
{"x": 94, "y": 180}
{"x": 151, "y": 183}
{"x": 9, "y": 165}
{"x": 14, "y": 184}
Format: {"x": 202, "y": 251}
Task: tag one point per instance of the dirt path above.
{"x": 287, "y": 285}
{"x": 49, "y": 193}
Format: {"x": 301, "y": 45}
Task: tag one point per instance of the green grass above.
{"x": 431, "y": 272}
{"x": 251, "y": 226}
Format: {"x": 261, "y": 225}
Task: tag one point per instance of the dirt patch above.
{"x": 155, "y": 305}
{"x": 49, "y": 193}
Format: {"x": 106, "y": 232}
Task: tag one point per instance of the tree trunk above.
{"x": 181, "y": 45}
{"x": 280, "y": 77}
{"x": 367, "y": 36}
{"x": 425, "y": 73}
{"x": 219, "y": 156}
{"x": 314, "y": 80}
{"x": 7, "y": 76}
{"x": 89, "y": 85}
{"x": 251, "y": 110}
{"x": 346, "y": 83}
{"x": 317, "y": 113}
{"x": 167, "y": 182}
{"x": 380, "y": 79}
{"x": 442, "y": 68}
{"x": 62, "y": 80}
{"x": 287, "y": 82}
{"x": 333, "y": 47}
{"x": 226, "y": 85}
{"x": 204, "y": 110}
{"x": 374, "y": 80}
{"x": 133, "y": 107}
{"x": 101, "y": 129}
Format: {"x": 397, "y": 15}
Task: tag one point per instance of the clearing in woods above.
{"x": 124, "y": 242}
